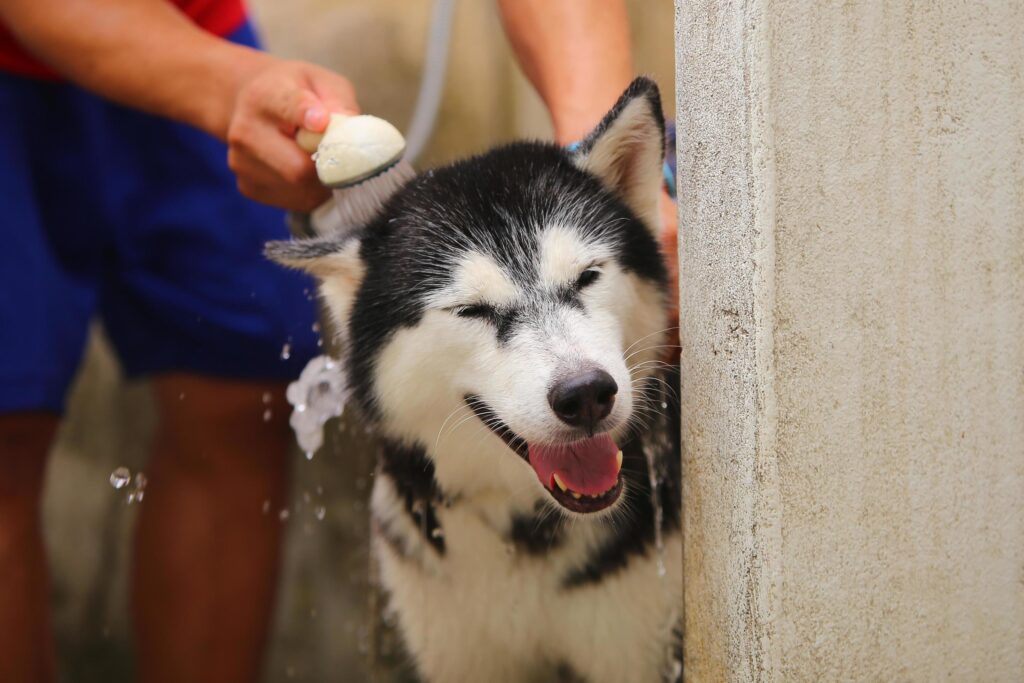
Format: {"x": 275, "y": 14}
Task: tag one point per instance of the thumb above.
{"x": 334, "y": 92}
{"x": 313, "y": 115}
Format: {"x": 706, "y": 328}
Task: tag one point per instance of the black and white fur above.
{"x": 471, "y": 283}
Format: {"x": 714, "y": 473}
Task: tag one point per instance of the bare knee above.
{"x": 216, "y": 426}
{"x": 25, "y": 440}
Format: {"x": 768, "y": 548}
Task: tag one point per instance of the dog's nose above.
{"x": 585, "y": 399}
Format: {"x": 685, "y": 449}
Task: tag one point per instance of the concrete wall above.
{"x": 852, "y": 278}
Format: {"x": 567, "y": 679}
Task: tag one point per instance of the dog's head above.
{"x": 522, "y": 290}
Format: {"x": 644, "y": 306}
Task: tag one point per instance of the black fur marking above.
{"x": 537, "y": 534}
{"x": 570, "y": 296}
{"x": 413, "y": 476}
{"x": 506, "y": 323}
{"x": 635, "y": 536}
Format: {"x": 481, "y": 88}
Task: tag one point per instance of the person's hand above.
{"x": 269, "y": 109}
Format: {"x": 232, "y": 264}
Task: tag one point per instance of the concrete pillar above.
{"x": 851, "y": 180}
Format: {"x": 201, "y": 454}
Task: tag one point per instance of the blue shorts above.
{"x": 109, "y": 212}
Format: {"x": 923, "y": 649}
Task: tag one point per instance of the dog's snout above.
{"x": 584, "y": 400}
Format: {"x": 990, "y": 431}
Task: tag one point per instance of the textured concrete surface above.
{"x": 852, "y": 217}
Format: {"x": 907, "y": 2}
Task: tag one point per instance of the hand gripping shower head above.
{"x": 360, "y": 159}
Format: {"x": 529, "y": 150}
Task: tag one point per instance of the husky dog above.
{"x": 503, "y": 319}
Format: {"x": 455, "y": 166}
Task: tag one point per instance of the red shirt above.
{"x": 220, "y": 17}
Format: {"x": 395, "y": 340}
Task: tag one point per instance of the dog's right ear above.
{"x": 625, "y": 150}
{"x": 330, "y": 258}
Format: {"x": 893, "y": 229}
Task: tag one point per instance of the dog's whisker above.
{"x": 650, "y": 348}
{"x": 648, "y": 336}
{"x": 459, "y": 408}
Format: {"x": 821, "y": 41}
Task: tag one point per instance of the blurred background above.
{"x": 326, "y": 627}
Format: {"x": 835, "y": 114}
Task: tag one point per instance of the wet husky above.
{"x": 503, "y": 321}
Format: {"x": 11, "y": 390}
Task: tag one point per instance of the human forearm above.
{"x": 142, "y": 53}
{"x": 576, "y": 53}
{"x": 148, "y": 55}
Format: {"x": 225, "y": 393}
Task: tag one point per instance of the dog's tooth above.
{"x": 561, "y": 484}
{"x": 576, "y": 495}
{"x": 618, "y": 461}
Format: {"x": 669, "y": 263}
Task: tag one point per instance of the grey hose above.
{"x": 428, "y": 101}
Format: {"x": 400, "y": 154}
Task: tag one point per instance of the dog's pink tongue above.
{"x": 590, "y": 467}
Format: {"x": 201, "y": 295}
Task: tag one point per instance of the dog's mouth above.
{"x": 582, "y": 476}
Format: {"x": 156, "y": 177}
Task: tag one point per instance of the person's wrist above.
{"x": 235, "y": 67}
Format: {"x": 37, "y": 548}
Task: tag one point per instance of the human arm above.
{"x": 578, "y": 55}
{"x": 148, "y": 55}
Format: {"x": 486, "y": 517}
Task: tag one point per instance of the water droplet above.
{"x": 437, "y": 532}
{"x": 320, "y": 512}
{"x": 319, "y": 490}
{"x": 286, "y": 351}
{"x": 267, "y": 414}
{"x": 309, "y": 455}
{"x": 266, "y": 507}
{"x": 316, "y": 327}
{"x": 664, "y": 405}
{"x": 267, "y": 397}
{"x": 181, "y": 396}
{"x": 283, "y": 515}
{"x": 120, "y": 477}
{"x": 138, "y": 491}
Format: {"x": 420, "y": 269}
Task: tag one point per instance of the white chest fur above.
{"x": 487, "y": 610}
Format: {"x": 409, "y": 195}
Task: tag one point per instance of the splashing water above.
{"x": 286, "y": 351}
{"x": 138, "y": 490}
{"x": 317, "y": 395}
{"x": 120, "y": 477}
{"x": 659, "y": 513}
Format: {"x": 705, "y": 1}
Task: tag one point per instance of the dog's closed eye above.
{"x": 587, "y": 277}
{"x": 481, "y": 311}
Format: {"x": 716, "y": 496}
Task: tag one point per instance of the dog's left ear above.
{"x": 328, "y": 257}
{"x": 626, "y": 150}
{"x": 334, "y": 260}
